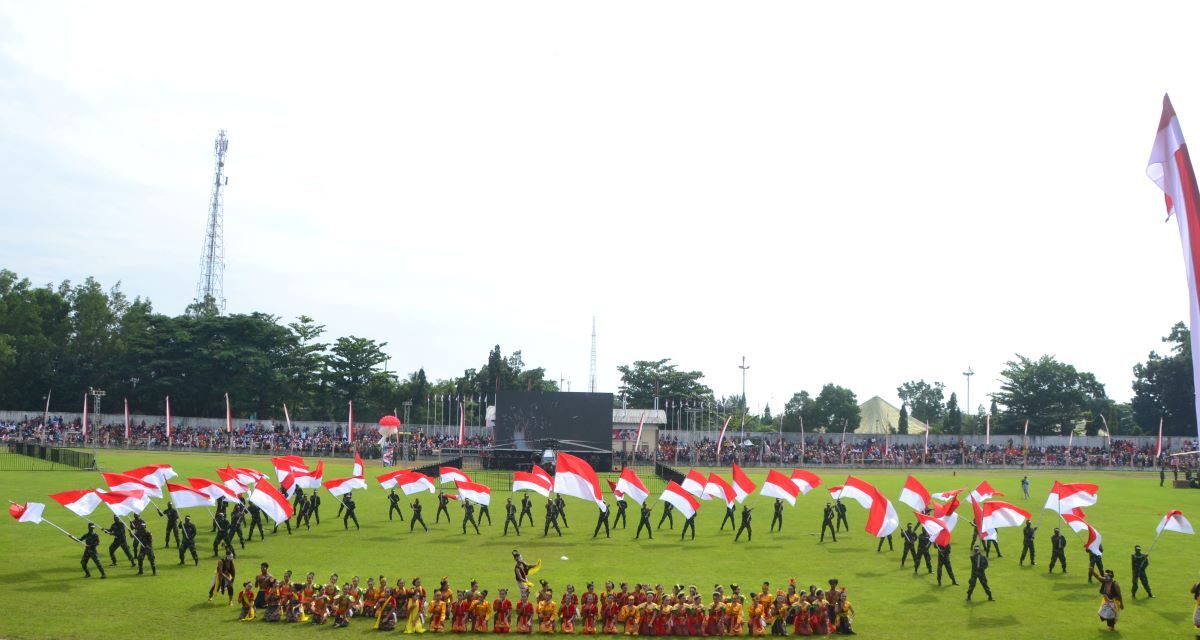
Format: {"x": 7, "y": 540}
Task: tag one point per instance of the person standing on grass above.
{"x": 223, "y": 579}
{"x": 690, "y": 523}
{"x": 551, "y": 519}
{"x": 620, "y": 519}
{"x": 910, "y": 545}
{"x": 667, "y": 515}
{"x": 348, "y": 503}
{"x": 745, "y": 526}
{"x": 979, "y": 565}
{"x": 923, "y": 543}
{"x": 510, "y": 517}
{"x": 560, "y": 509}
{"x": 526, "y": 510}
{"x": 1141, "y": 562}
{"x": 484, "y": 513}
{"x": 416, "y": 516}
{"x": 841, "y": 515}
{"x": 469, "y": 516}
{"x": 172, "y": 517}
{"x": 729, "y": 512}
{"x": 443, "y": 507}
{"x": 944, "y": 561}
{"x": 602, "y": 521}
{"x": 1030, "y": 535}
{"x": 187, "y": 541}
{"x": 1058, "y": 546}
{"x": 145, "y": 549}
{"x": 1111, "y": 602}
{"x": 827, "y": 518}
{"x": 91, "y": 541}
{"x": 1025, "y": 486}
{"x": 314, "y": 508}
{"x": 394, "y": 505}
{"x": 644, "y": 521}
{"x": 778, "y": 517}
{"x": 255, "y": 521}
{"x": 117, "y": 531}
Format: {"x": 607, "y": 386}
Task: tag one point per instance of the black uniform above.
{"x": 172, "y": 525}
{"x": 668, "y": 515}
{"x": 979, "y": 565}
{"x": 888, "y": 538}
{"x": 348, "y": 504}
{"x": 729, "y": 511}
{"x": 560, "y": 509}
{"x": 296, "y": 498}
{"x": 302, "y": 514}
{"x": 1141, "y": 562}
{"x": 117, "y": 531}
{"x": 644, "y": 521}
{"x": 689, "y": 523}
{"x": 841, "y": 516}
{"x": 469, "y": 516}
{"x": 526, "y": 510}
{"x": 223, "y": 536}
{"x": 827, "y": 518}
{"x": 1030, "y": 534}
{"x": 551, "y": 519}
{"x": 443, "y": 507}
{"x": 778, "y": 517}
{"x": 1095, "y": 563}
{"x": 235, "y": 526}
{"x": 910, "y": 545}
{"x": 944, "y": 561}
{"x": 923, "y": 543}
{"x": 1058, "y": 547}
{"x": 992, "y": 544}
{"x": 314, "y": 508}
{"x": 416, "y": 516}
{"x": 745, "y": 526}
{"x": 222, "y": 505}
{"x": 620, "y": 519}
{"x": 187, "y": 541}
{"x": 484, "y": 513}
{"x": 297, "y": 513}
{"x": 510, "y": 517}
{"x": 145, "y": 549}
{"x": 394, "y": 505}
{"x": 255, "y": 521}
{"x": 90, "y": 541}
{"x": 602, "y": 521}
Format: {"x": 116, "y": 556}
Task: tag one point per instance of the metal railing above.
{"x": 25, "y": 456}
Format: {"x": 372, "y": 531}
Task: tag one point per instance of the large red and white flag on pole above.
{"x": 947, "y": 512}
{"x": 28, "y": 512}
{"x": 1064, "y": 498}
{"x": 462, "y": 424}
{"x": 631, "y": 485}
{"x": 168, "y": 421}
{"x": 1158, "y": 447}
{"x": 694, "y": 483}
{"x": 213, "y": 489}
{"x": 475, "y": 492}
{"x": 1174, "y": 521}
{"x": 805, "y": 481}
{"x": 937, "y": 529}
{"x": 780, "y": 486}
{"x": 721, "y": 437}
{"x": 859, "y": 490}
{"x": 995, "y": 515}
{"x": 85, "y": 417}
{"x": 681, "y": 499}
{"x": 535, "y": 480}
{"x": 416, "y": 482}
{"x": 185, "y": 497}
{"x": 1170, "y": 167}
{"x": 742, "y": 485}
{"x": 882, "y": 518}
{"x": 122, "y": 482}
{"x": 984, "y": 492}
{"x": 450, "y": 474}
{"x": 81, "y": 502}
{"x": 341, "y": 486}
{"x": 638, "y": 440}
{"x": 717, "y": 487}
{"x": 158, "y": 474}
{"x": 268, "y": 498}
{"x": 228, "y": 416}
{"x": 1079, "y": 525}
{"x": 358, "y": 470}
{"x": 915, "y": 495}
{"x": 123, "y": 503}
{"x": 390, "y": 479}
{"x": 127, "y": 420}
{"x": 988, "y": 438}
{"x": 574, "y": 477}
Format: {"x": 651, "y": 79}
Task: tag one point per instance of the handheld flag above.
{"x": 681, "y": 499}
{"x": 185, "y": 497}
{"x": 272, "y": 503}
{"x": 720, "y": 438}
{"x": 937, "y": 529}
{"x": 805, "y": 481}
{"x": 450, "y": 474}
{"x": 1174, "y": 521}
{"x": 1079, "y": 525}
{"x": 537, "y": 481}
{"x": 575, "y": 477}
{"x": 1065, "y": 497}
{"x": 475, "y": 492}
{"x": 81, "y": 502}
{"x": 984, "y": 492}
{"x": 780, "y": 486}
{"x": 28, "y": 512}
{"x": 694, "y": 484}
{"x": 631, "y": 485}
{"x": 915, "y": 495}
{"x": 717, "y": 487}
{"x": 742, "y": 485}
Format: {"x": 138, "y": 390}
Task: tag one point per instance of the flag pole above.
{"x": 47, "y": 521}
{"x": 1156, "y": 537}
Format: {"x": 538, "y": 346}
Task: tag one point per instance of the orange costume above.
{"x": 734, "y": 618}
{"x": 481, "y": 609}
{"x": 437, "y": 615}
{"x": 631, "y": 616}
{"x": 546, "y": 610}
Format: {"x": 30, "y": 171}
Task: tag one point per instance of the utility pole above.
{"x": 745, "y": 405}
{"x": 967, "y": 374}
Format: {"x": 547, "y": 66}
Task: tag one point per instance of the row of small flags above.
{"x": 134, "y": 490}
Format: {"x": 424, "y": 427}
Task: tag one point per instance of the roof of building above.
{"x": 880, "y": 416}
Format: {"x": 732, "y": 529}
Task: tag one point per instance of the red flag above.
{"x": 742, "y": 485}
{"x": 629, "y": 484}
{"x": 780, "y": 486}
{"x": 720, "y": 438}
{"x": 805, "y": 481}
{"x": 694, "y": 483}
{"x": 268, "y": 498}
{"x": 988, "y": 437}
{"x": 574, "y": 477}
{"x": 914, "y": 494}
{"x": 684, "y": 502}
{"x": 1170, "y": 167}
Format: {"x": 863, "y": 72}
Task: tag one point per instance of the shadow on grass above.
{"x": 991, "y": 622}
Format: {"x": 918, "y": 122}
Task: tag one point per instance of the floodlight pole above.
{"x": 967, "y": 374}
{"x": 745, "y": 405}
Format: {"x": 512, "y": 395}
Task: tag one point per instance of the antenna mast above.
{"x": 592, "y": 375}
{"x": 210, "y": 291}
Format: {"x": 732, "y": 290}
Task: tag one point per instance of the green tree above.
{"x": 1163, "y": 387}
{"x": 797, "y": 410}
{"x": 954, "y": 418}
{"x": 835, "y": 409}
{"x": 645, "y": 380}
{"x": 926, "y": 400}
{"x": 1052, "y": 395}
{"x": 351, "y": 365}
{"x": 902, "y": 428}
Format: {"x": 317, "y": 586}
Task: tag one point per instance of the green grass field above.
{"x": 49, "y": 598}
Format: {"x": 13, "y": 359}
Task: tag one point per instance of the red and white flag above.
{"x": 1174, "y": 521}
{"x": 945, "y": 496}
{"x": 860, "y": 491}
{"x": 286, "y": 466}
{"x": 85, "y": 418}
{"x": 462, "y": 424}
{"x": 717, "y": 487}
{"x": 1158, "y": 447}
{"x": 1065, "y": 497}
{"x": 947, "y": 512}
{"x": 694, "y": 483}
{"x": 28, "y": 512}
{"x": 575, "y": 477}
{"x": 168, "y": 420}
{"x": 350, "y": 426}
{"x": 937, "y": 529}
{"x": 358, "y": 470}
{"x": 915, "y": 495}
{"x": 185, "y": 497}
{"x": 212, "y": 489}
{"x": 805, "y": 481}
{"x": 81, "y": 502}
{"x": 127, "y": 420}
{"x": 158, "y": 474}
{"x": 882, "y": 519}
{"x": 721, "y": 437}
{"x": 535, "y": 480}
{"x": 994, "y": 515}
{"x": 615, "y": 491}
{"x": 1170, "y": 167}
{"x": 230, "y": 478}
{"x": 390, "y": 479}
{"x": 228, "y": 416}
{"x": 631, "y": 485}
{"x": 984, "y": 492}
{"x": 780, "y": 486}
{"x": 416, "y": 482}
{"x": 268, "y": 498}
{"x": 450, "y": 474}
{"x": 1079, "y": 525}
{"x": 680, "y": 498}
{"x": 341, "y": 486}
{"x": 835, "y": 492}
{"x": 988, "y": 437}
{"x": 122, "y": 482}
{"x": 638, "y": 440}
{"x": 475, "y": 492}
{"x": 123, "y": 503}
{"x": 311, "y": 479}
{"x": 742, "y": 486}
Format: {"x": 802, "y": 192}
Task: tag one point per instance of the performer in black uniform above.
{"x": 221, "y": 505}
{"x": 135, "y": 525}
{"x": 1140, "y": 562}
{"x": 910, "y": 541}
{"x": 526, "y": 510}
{"x": 288, "y": 523}
{"x": 348, "y": 503}
{"x": 145, "y": 549}
{"x": 394, "y": 505}
{"x": 729, "y": 512}
{"x": 1030, "y": 536}
{"x": 827, "y": 522}
{"x": 416, "y": 516}
{"x": 484, "y": 513}
{"x": 117, "y": 531}
{"x": 295, "y": 498}
{"x": 979, "y": 565}
{"x": 469, "y": 516}
{"x": 187, "y": 541}
{"x": 222, "y": 534}
{"x": 644, "y": 521}
{"x": 778, "y": 517}
{"x": 745, "y": 526}
{"x": 1095, "y": 563}
{"x": 923, "y": 552}
{"x": 235, "y": 525}
{"x": 689, "y": 523}
{"x": 90, "y": 542}
{"x": 314, "y": 508}
{"x": 443, "y": 507}
{"x": 172, "y": 525}
{"x": 551, "y": 518}
{"x": 944, "y": 561}
{"x": 841, "y": 515}
{"x": 620, "y": 519}
{"x": 255, "y": 521}
{"x": 602, "y": 520}
{"x": 667, "y": 515}
{"x": 1058, "y": 547}
{"x": 879, "y": 547}
{"x": 560, "y": 509}
{"x": 510, "y": 516}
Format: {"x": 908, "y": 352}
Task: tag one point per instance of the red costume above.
{"x": 524, "y": 617}
{"x": 502, "y": 609}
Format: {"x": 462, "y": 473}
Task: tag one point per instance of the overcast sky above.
{"x": 862, "y": 193}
